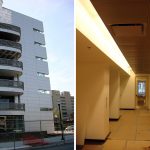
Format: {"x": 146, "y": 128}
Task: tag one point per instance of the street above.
{"x": 69, "y": 146}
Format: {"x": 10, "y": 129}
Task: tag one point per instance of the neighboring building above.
{"x": 66, "y": 102}
{"x": 24, "y": 87}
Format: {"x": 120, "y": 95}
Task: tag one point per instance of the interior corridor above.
{"x": 113, "y": 73}
{"x": 130, "y": 132}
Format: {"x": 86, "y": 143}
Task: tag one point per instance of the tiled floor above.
{"x": 130, "y": 132}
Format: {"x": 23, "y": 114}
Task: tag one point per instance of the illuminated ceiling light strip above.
{"x": 91, "y": 25}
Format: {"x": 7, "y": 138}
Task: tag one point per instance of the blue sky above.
{"x": 58, "y": 19}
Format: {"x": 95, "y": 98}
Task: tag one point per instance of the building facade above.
{"x": 24, "y": 86}
{"x": 66, "y": 102}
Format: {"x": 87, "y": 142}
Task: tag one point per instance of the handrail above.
{"x": 12, "y": 106}
{"x": 11, "y": 83}
{"x": 10, "y": 44}
{"x": 10, "y": 27}
{"x": 11, "y": 62}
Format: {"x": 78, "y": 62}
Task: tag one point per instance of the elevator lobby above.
{"x": 113, "y": 74}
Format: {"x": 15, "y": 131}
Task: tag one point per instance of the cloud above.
{"x": 52, "y": 57}
{"x": 60, "y": 80}
{"x": 35, "y": 8}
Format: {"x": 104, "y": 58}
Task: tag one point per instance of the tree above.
{"x": 72, "y": 116}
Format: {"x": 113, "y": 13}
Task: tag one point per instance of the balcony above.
{"x": 11, "y": 83}
{"x": 9, "y": 49}
{"x": 10, "y": 62}
{"x": 10, "y": 87}
{"x": 12, "y": 106}
{"x": 11, "y": 67}
{"x": 9, "y": 32}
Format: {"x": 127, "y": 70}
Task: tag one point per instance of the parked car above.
{"x": 70, "y": 129}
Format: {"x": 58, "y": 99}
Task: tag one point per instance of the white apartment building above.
{"x": 24, "y": 86}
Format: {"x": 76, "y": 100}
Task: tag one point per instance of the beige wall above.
{"x": 92, "y": 101}
{"x": 127, "y": 91}
{"x": 114, "y": 95}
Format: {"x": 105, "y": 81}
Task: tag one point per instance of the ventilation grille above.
{"x": 128, "y": 29}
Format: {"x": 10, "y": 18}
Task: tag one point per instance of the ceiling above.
{"x": 87, "y": 52}
{"x": 129, "y": 23}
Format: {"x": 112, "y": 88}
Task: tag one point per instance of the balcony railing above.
{"x": 10, "y": 44}
{"x": 10, "y": 62}
{"x": 10, "y": 27}
{"x": 12, "y": 106}
{"x": 11, "y": 83}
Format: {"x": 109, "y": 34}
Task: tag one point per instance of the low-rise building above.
{"x": 66, "y": 102}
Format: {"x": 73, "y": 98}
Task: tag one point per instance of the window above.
{"x": 141, "y": 88}
{"x": 63, "y": 106}
{"x": 64, "y": 113}
{"x": 46, "y": 109}
{"x": 40, "y": 58}
{"x": 63, "y": 100}
{"x": 41, "y": 74}
{"x": 37, "y": 30}
{"x": 43, "y": 91}
{"x": 38, "y": 43}
{"x": 63, "y": 103}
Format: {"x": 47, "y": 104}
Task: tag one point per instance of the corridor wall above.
{"x": 92, "y": 101}
{"x": 127, "y": 91}
{"x": 114, "y": 94}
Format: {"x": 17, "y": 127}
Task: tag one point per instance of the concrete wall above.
{"x": 39, "y": 37}
{"x": 92, "y": 102}
{"x": 5, "y": 15}
{"x": 127, "y": 91}
{"x": 40, "y": 51}
{"x": 114, "y": 95}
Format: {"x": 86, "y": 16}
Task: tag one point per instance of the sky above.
{"x": 58, "y": 20}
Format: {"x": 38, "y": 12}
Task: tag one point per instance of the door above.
{"x": 2, "y": 123}
{"x": 141, "y": 92}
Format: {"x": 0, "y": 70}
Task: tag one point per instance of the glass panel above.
{"x": 15, "y": 123}
{"x": 11, "y": 83}
{"x": 141, "y": 88}
{"x": 10, "y": 27}
{"x": 9, "y": 62}
{"x": 9, "y": 43}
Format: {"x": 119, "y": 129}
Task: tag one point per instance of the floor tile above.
{"x": 138, "y": 145}
{"x": 114, "y": 145}
{"x": 130, "y": 132}
{"x": 143, "y": 135}
{"x": 92, "y": 147}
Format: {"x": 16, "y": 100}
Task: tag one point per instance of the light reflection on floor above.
{"x": 130, "y": 132}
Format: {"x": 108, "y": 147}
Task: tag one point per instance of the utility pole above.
{"x": 61, "y": 124}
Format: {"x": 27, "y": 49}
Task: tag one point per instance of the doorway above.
{"x": 141, "y": 92}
